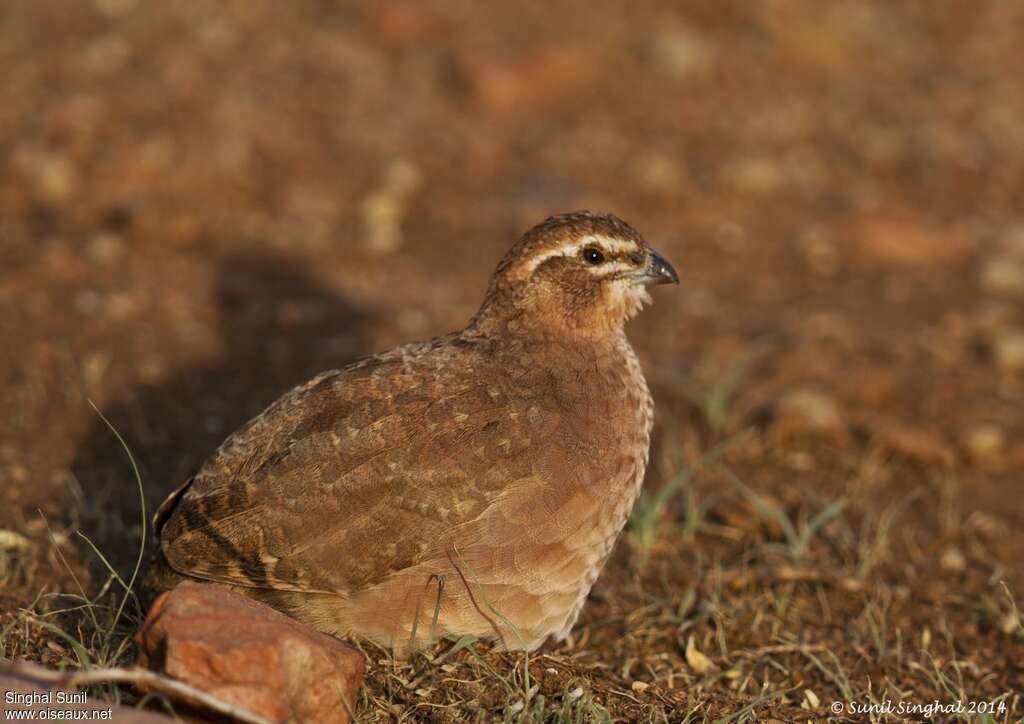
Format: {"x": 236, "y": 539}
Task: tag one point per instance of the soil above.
{"x": 203, "y": 204}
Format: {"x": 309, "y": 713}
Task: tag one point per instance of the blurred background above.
{"x": 204, "y": 203}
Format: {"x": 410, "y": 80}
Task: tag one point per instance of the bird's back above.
{"x": 488, "y": 464}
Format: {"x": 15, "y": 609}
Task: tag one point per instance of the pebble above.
{"x": 53, "y": 175}
{"x": 384, "y": 210}
{"x": 952, "y": 559}
{"x": 984, "y": 443}
{"x": 808, "y": 411}
{"x": 683, "y": 52}
{"x": 1002, "y": 275}
{"x": 1008, "y": 350}
{"x": 105, "y": 247}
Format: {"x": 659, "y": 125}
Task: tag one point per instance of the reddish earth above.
{"x": 203, "y": 204}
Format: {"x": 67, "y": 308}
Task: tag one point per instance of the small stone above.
{"x": 249, "y": 655}
{"x": 55, "y": 177}
{"x": 1003, "y": 275}
{"x": 17, "y": 557}
{"x": 384, "y": 210}
{"x": 1008, "y": 350}
{"x": 952, "y": 559}
{"x": 683, "y": 52}
{"x": 105, "y": 247}
{"x": 984, "y": 443}
{"x": 808, "y": 411}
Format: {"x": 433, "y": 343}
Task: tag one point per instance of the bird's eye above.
{"x": 593, "y": 256}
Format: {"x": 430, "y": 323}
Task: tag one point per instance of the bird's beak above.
{"x": 658, "y": 270}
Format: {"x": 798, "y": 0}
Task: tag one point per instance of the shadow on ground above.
{"x": 278, "y": 327}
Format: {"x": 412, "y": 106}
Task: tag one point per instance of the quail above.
{"x": 471, "y": 484}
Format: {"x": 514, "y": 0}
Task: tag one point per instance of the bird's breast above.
{"x": 614, "y": 419}
{"x": 633, "y": 437}
{"x": 617, "y": 413}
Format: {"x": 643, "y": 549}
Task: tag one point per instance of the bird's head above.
{"x": 579, "y": 273}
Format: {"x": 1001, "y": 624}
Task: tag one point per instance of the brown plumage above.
{"x": 481, "y": 477}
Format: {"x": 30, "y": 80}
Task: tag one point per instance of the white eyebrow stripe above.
{"x": 571, "y": 248}
{"x": 609, "y": 244}
{"x": 564, "y": 250}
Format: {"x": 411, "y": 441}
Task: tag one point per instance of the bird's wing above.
{"x": 357, "y": 474}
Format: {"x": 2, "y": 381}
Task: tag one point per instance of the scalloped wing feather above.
{"x": 342, "y": 462}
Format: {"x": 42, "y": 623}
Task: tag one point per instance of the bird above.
{"x": 473, "y": 484}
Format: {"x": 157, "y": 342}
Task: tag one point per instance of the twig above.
{"x": 792, "y": 574}
{"x": 781, "y": 649}
{"x": 157, "y": 682}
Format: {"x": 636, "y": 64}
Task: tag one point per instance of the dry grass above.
{"x": 82, "y": 631}
{"x": 728, "y": 599}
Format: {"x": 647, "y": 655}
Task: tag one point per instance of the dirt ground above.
{"x": 204, "y": 203}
